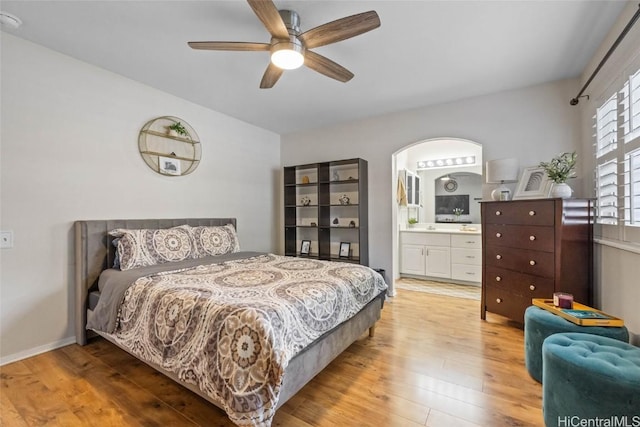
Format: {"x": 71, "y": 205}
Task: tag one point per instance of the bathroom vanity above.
{"x": 439, "y": 252}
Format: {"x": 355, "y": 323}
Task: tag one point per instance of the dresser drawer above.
{"x": 466, "y": 256}
{"x": 469, "y": 273}
{"x": 536, "y": 263}
{"x": 535, "y": 212}
{"x": 519, "y": 283}
{"x": 533, "y": 237}
{"x": 506, "y": 303}
{"x": 472, "y": 241}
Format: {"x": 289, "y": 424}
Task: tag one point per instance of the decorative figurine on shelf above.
{"x": 305, "y": 201}
{"x": 305, "y": 179}
{"x": 336, "y": 176}
{"x": 352, "y": 224}
{"x": 344, "y": 200}
{"x": 313, "y": 224}
{"x": 335, "y": 221}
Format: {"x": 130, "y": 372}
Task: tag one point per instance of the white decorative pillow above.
{"x": 141, "y": 248}
{"x": 215, "y": 240}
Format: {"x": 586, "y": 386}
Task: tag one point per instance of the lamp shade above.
{"x": 502, "y": 170}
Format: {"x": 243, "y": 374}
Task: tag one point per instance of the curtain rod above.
{"x": 634, "y": 18}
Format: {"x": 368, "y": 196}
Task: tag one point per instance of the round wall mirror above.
{"x": 451, "y": 185}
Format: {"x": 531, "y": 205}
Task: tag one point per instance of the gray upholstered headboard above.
{"x": 94, "y": 252}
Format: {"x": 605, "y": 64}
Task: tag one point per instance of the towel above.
{"x": 401, "y": 195}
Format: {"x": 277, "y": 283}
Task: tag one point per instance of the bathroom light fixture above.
{"x": 500, "y": 171}
{"x": 450, "y": 161}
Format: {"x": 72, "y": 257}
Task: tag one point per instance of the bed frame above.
{"x": 94, "y": 252}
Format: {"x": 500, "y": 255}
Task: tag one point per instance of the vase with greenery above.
{"x": 178, "y": 128}
{"x": 457, "y": 212}
{"x": 559, "y": 170}
{"x": 412, "y": 222}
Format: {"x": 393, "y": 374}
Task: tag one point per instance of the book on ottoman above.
{"x": 580, "y": 314}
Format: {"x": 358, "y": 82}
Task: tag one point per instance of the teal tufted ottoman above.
{"x": 588, "y": 377}
{"x": 540, "y": 323}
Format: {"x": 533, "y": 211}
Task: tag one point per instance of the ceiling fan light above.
{"x": 287, "y": 55}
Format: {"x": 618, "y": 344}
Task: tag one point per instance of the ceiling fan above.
{"x": 290, "y": 48}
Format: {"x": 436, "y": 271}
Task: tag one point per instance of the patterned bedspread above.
{"x": 232, "y": 328}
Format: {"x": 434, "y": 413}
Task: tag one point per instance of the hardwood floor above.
{"x": 431, "y": 362}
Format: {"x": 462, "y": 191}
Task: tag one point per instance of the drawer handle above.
{"x": 532, "y": 287}
{"x": 498, "y": 234}
{"x": 532, "y": 238}
{"x": 498, "y": 213}
{"x": 532, "y": 213}
{"x": 498, "y": 278}
{"x": 532, "y": 262}
{"x": 469, "y": 256}
{"x": 470, "y": 241}
{"x": 498, "y": 300}
{"x": 470, "y": 274}
{"x": 498, "y": 256}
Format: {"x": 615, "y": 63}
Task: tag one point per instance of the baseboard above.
{"x": 36, "y": 350}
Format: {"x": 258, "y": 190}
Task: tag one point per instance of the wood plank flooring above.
{"x": 432, "y": 362}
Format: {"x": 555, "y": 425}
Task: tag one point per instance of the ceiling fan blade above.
{"x": 340, "y": 29}
{"x": 237, "y": 46}
{"x": 268, "y": 14}
{"x": 327, "y": 67}
{"x": 271, "y": 76}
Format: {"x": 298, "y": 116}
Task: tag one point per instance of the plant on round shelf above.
{"x": 559, "y": 170}
{"x": 178, "y": 128}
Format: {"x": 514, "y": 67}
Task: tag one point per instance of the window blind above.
{"x": 607, "y": 192}
{"x": 632, "y": 188}
{"x": 630, "y": 104}
{"x": 606, "y": 125}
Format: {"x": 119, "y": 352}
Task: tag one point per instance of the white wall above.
{"x": 532, "y": 124}
{"x": 617, "y": 288}
{"x": 69, "y": 152}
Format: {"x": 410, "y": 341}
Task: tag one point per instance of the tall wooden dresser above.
{"x": 533, "y": 248}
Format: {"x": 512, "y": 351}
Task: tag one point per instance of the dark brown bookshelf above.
{"x": 325, "y": 184}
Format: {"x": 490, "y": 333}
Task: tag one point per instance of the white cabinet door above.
{"x": 438, "y": 262}
{"x": 412, "y": 259}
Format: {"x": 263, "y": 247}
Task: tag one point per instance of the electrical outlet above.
{"x": 6, "y": 239}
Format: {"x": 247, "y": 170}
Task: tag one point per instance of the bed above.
{"x": 316, "y": 328}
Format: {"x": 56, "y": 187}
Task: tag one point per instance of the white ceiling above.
{"x": 424, "y": 53}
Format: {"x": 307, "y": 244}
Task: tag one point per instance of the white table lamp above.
{"x": 500, "y": 171}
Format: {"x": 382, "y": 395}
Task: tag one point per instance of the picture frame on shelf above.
{"x": 345, "y": 249}
{"x": 305, "y": 247}
{"x": 169, "y": 166}
{"x": 534, "y": 184}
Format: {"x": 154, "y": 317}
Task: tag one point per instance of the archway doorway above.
{"x": 421, "y": 194}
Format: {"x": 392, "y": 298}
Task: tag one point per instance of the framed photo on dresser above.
{"x": 534, "y": 184}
